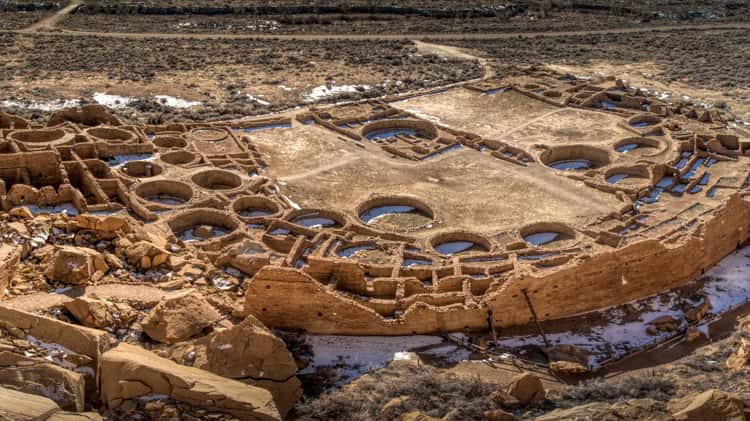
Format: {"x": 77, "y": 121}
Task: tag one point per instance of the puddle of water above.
{"x": 541, "y": 238}
{"x": 390, "y": 133}
{"x": 572, "y": 164}
{"x": 166, "y": 199}
{"x": 416, "y": 262}
{"x": 608, "y": 105}
{"x": 453, "y": 247}
{"x": 351, "y": 251}
{"x": 704, "y": 180}
{"x": 537, "y": 256}
{"x": 375, "y": 213}
{"x": 314, "y": 222}
{"x": 118, "y": 160}
{"x": 679, "y": 188}
{"x": 445, "y": 151}
{"x": 280, "y": 231}
{"x": 253, "y": 213}
{"x": 628, "y": 147}
{"x": 640, "y": 124}
{"x": 711, "y": 192}
{"x": 615, "y": 178}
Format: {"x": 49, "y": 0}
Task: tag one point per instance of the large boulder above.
{"x": 63, "y": 386}
{"x": 712, "y": 405}
{"x": 179, "y": 317}
{"x": 101, "y": 314}
{"x": 129, "y": 371}
{"x": 19, "y": 406}
{"x": 246, "y": 351}
{"x": 75, "y": 265}
{"x": 527, "y": 388}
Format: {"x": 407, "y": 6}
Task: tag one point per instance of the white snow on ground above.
{"x": 61, "y": 208}
{"x": 119, "y": 160}
{"x": 175, "y": 102}
{"x": 257, "y": 100}
{"x": 728, "y": 286}
{"x": 285, "y": 88}
{"x": 356, "y": 355}
{"x": 325, "y": 91}
{"x": 430, "y": 118}
{"x": 43, "y": 106}
{"x": 112, "y": 101}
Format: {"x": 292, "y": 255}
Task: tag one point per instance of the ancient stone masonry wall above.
{"x": 389, "y": 264}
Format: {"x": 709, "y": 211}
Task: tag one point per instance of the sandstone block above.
{"x": 126, "y": 364}
{"x": 527, "y": 388}
{"x": 179, "y": 317}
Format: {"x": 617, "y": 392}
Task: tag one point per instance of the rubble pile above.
{"x": 104, "y": 317}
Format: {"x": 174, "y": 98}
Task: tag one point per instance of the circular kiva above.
{"x": 574, "y": 157}
{"x": 202, "y": 224}
{"x": 209, "y": 134}
{"x": 542, "y": 234}
{"x": 169, "y": 142}
{"x": 459, "y": 242}
{"x": 217, "y": 180}
{"x": 112, "y": 135}
{"x": 165, "y": 192}
{"x": 43, "y": 138}
{"x": 638, "y": 146}
{"x": 644, "y": 120}
{"x": 141, "y": 169}
{"x": 395, "y": 213}
{"x": 627, "y": 175}
{"x": 248, "y": 207}
{"x": 386, "y": 129}
{"x": 317, "y": 218}
{"x": 180, "y": 157}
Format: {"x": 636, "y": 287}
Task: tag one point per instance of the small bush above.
{"x": 419, "y": 389}
{"x": 621, "y": 388}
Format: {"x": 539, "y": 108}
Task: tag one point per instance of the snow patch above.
{"x": 55, "y": 105}
{"x": 175, "y": 102}
{"x": 112, "y": 101}
{"x": 325, "y": 91}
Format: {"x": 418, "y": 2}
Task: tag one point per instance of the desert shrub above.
{"x": 621, "y": 388}
{"x": 404, "y": 389}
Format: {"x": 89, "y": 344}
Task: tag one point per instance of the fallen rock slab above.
{"x": 19, "y": 406}
{"x": 712, "y": 405}
{"x": 101, "y": 313}
{"x": 63, "y": 386}
{"x": 527, "y": 388}
{"x": 179, "y": 317}
{"x": 129, "y": 371}
{"x": 75, "y": 265}
{"x": 247, "y": 351}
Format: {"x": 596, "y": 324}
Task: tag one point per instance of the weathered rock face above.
{"x": 179, "y": 317}
{"x": 527, "y": 388}
{"x": 247, "y": 351}
{"x": 49, "y": 357}
{"x": 19, "y": 406}
{"x": 129, "y": 371}
{"x": 63, "y": 386}
{"x": 76, "y": 265}
{"x": 712, "y": 405}
{"x": 568, "y": 368}
{"x": 9, "y": 257}
{"x": 101, "y": 313}
{"x": 146, "y": 255}
{"x": 632, "y": 410}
